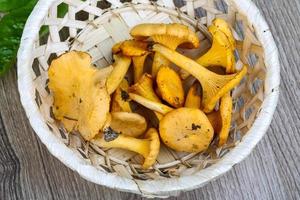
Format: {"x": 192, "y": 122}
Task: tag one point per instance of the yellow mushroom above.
{"x": 120, "y": 99}
{"x": 138, "y": 66}
{"x": 130, "y": 48}
{"x": 215, "y": 120}
{"x": 193, "y": 98}
{"x": 221, "y": 119}
{"x": 152, "y": 105}
{"x": 147, "y": 147}
{"x": 226, "y": 113}
{"x": 137, "y": 50}
{"x": 144, "y": 87}
{"x": 130, "y": 124}
{"x": 214, "y": 86}
{"x": 221, "y": 25}
{"x": 121, "y": 66}
{"x": 186, "y": 129}
{"x": 220, "y": 53}
{"x": 170, "y": 86}
{"x": 170, "y": 35}
{"x": 81, "y": 101}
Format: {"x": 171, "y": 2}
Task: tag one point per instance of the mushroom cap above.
{"x": 144, "y": 87}
{"x": 120, "y": 99}
{"x": 220, "y": 53}
{"x": 178, "y": 34}
{"x": 221, "y": 25}
{"x": 186, "y": 129}
{"x": 81, "y": 102}
{"x": 170, "y": 86}
{"x": 130, "y": 48}
{"x": 193, "y": 98}
{"x": 152, "y": 136}
{"x": 130, "y": 124}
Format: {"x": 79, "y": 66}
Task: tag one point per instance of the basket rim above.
{"x": 152, "y": 188}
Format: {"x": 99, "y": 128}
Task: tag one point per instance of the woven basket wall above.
{"x": 94, "y": 26}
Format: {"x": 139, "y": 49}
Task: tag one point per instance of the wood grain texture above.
{"x": 28, "y": 171}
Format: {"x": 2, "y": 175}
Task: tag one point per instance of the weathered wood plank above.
{"x": 24, "y": 142}
{"x": 9, "y": 168}
{"x": 28, "y": 171}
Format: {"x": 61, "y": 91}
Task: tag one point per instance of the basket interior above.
{"x": 94, "y": 26}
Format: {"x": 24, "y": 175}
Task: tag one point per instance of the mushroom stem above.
{"x": 147, "y": 147}
{"x": 140, "y": 146}
{"x": 226, "y": 112}
{"x": 118, "y": 73}
{"x": 138, "y": 66}
{"x": 214, "y": 86}
{"x": 155, "y": 106}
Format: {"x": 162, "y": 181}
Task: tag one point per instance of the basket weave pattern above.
{"x": 94, "y": 26}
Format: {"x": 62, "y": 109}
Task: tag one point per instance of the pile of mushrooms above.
{"x": 100, "y": 103}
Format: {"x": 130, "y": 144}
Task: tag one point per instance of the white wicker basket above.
{"x": 88, "y": 26}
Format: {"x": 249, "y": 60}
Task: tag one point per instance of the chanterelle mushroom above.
{"x": 186, "y": 129}
{"x": 147, "y": 147}
{"x": 120, "y": 99}
{"x": 121, "y": 66}
{"x": 130, "y": 124}
{"x": 170, "y": 86}
{"x": 221, "y": 25}
{"x": 170, "y": 35}
{"x": 193, "y": 98}
{"x": 130, "y": 48}
{"x": 81, "y": 101}
{"x": 220, "y": 53}
{"x": 152, "y": 105}
{"x": 144, "y": 87}
{"x": 221, "y": 119}
{"x": 137, "y": 50}
{"x": 214, "y": 86}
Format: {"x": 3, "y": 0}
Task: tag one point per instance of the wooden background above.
{"x": 272, "y": 171}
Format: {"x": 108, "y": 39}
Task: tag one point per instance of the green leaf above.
{"x": 11, "y": 28}
{"x": 7, "y": 5}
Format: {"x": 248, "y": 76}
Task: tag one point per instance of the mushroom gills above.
{"x": 144, "y": 87}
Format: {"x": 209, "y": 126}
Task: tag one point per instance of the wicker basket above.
{"x": 94, "y": 26}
